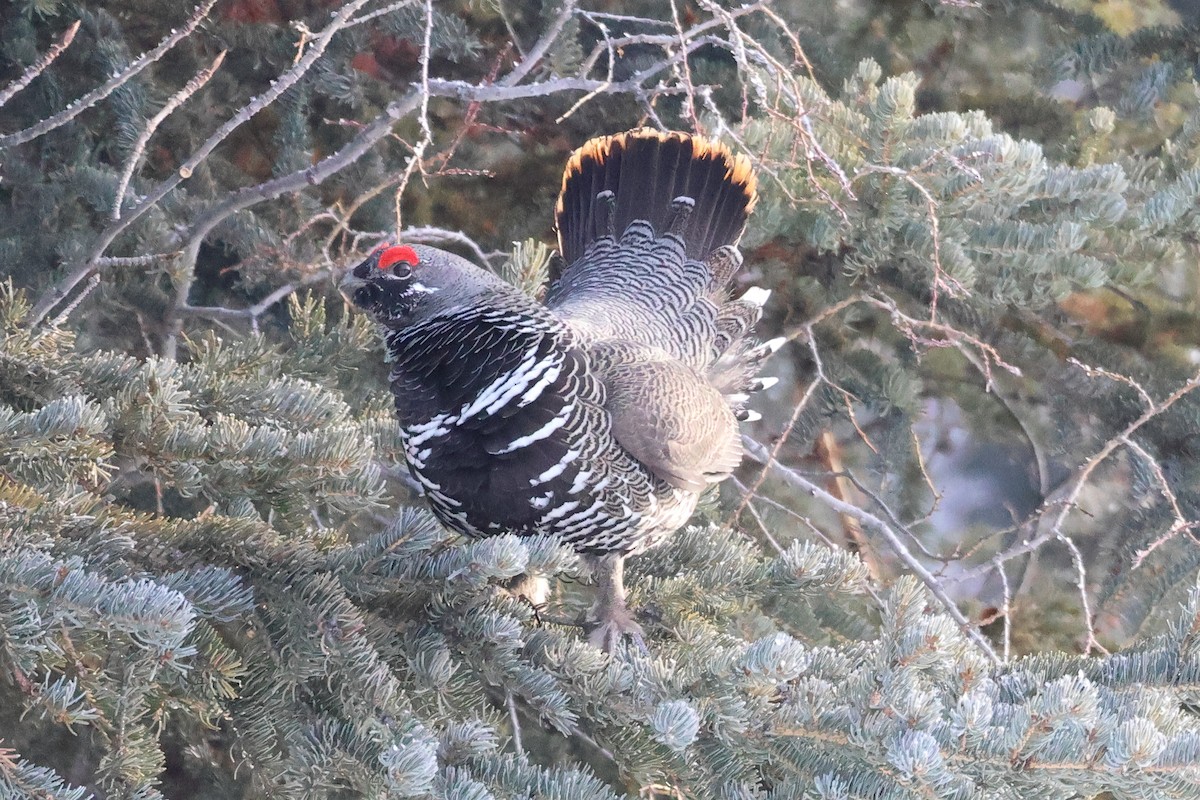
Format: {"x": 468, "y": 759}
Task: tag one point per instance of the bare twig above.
{"x": 608, "y": 79}
{"x": 414, "y": 164}
{"x": 758, "y": 520}
{"x": 112, "y": 84}
{"x": 262, "y": 306}
{"x": 511, "y": 702}
{"x": 1090, "y": 643}
{"x": 88, "y": 265}
{"x": 842, "y": 485}
{"x": 685, "y": 72}
{"x": 426, "y": 131}
{"x": 379, "y": 12}
{"x": 940, "y": 279}
{"x": 543, "y": 45}
{"x": 39, "y": 66}
{"x": 431, "y": 234}
{"x": 761, "y": 454}
{"x": 148, "y": 260}
{"x": 1067, "y": 496}
{"x": 88, "y": 288}
{"x": 178, "y": 99}
{"x": 1006, "y": 607}
{"x": 778, "y": 506}
{"x": 1092, "y": 372}
{"x": 1181, "y": 523}
{"x": 923, "y": 331}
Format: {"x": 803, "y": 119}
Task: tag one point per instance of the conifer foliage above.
{"x": 215, "y": 581}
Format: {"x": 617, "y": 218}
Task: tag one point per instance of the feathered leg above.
{"x": 610, "y": 616}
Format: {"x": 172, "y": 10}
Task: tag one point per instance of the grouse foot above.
{"x": 609, "y": 616}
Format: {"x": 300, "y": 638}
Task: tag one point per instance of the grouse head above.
{"x": 400, "y": 284}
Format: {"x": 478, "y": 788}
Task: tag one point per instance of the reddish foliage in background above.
{"x": 253, "y": 11}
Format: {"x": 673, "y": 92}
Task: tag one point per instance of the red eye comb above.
{"x": 399, "y": 252}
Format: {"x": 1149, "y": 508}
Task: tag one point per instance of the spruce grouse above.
{"x": 601, "y": 414}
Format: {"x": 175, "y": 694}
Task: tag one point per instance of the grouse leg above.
{"x": 610, "y": 615}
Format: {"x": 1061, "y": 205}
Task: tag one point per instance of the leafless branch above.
{"x": 1006, "y": 607}
{"x": 59, "y": 291}
{"x": 543, "y": 45}
{"x": 39, "y": 66}
{"x": 1063, "y": 501}
{"x": 112, "y": 84}
{"x": 262, "y": 306}
{"x": 379, "y": 12}
{"x": 178, "y": 99}
{"x": 515, "y": 721}
{"x": 894, "y": 538}
{"x": 426, "y": 55}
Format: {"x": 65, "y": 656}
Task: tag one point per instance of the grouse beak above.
{"x": 357, "y": 291}
{"x": 349, "y": 285}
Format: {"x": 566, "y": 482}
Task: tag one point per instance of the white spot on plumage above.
{"x": 756, "y": 296}
{"x": 496, "y": 394}
{"x": 557, "y": 469}
{"x": 561, "y": 511}
{"x": 771, "y": 345}
{"x": 580, "y": 482}
{"x": 419, "y": 434}
{"x": 535, "y": 392}
{"x": 541, "y": 433}
{"x": 762, "y": 384}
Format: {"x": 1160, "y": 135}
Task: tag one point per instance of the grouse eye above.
{"x": 402, "y": 257}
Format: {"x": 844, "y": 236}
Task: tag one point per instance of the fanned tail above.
{"x": 648, "y": 224}
{"x": 644, "y": 172}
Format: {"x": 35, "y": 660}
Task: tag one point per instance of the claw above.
{"x": 610, "y": 616}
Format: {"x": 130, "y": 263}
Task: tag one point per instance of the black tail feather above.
{"x": 647, "y": 170}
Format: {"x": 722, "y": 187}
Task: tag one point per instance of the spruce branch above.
{"x": 78, "y": 106}
{"x": 39, "y": 66}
